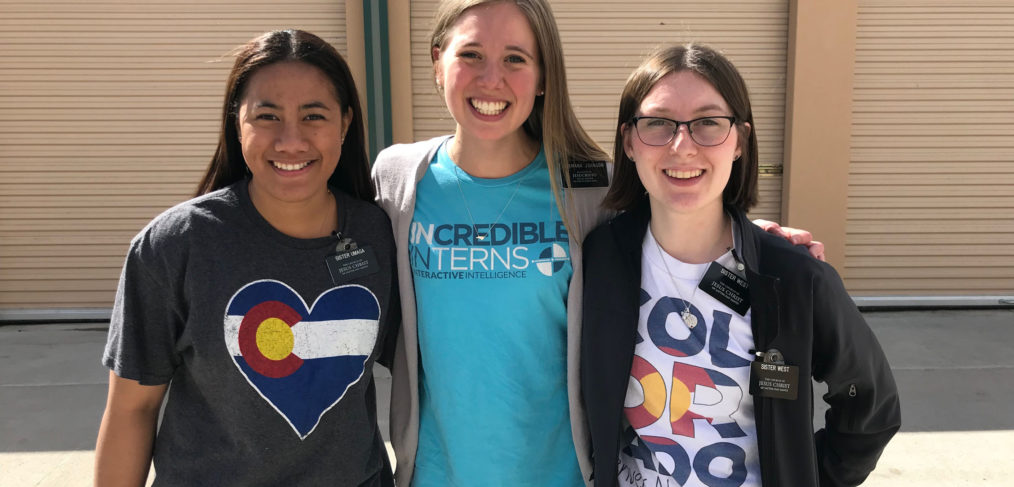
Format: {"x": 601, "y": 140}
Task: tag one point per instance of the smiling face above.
{"x": 488, "y": 70}
{"x": 682, "y": 176}
{"x": 291, "y": 127}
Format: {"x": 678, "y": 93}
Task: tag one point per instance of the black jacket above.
{"x": 799, "y": 307}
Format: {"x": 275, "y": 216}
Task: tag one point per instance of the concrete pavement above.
{"x": 955, "y": 369}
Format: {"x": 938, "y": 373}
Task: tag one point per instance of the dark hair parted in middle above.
{"x": 228, "y": 166}
{"x": 741, "y": 191}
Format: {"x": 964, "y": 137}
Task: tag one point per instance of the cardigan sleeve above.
{"x": 864, "y": 408}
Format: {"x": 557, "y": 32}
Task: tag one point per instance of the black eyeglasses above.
{"x": 705, "y": 131}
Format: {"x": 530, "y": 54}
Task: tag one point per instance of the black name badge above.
{"x": 345, "y": 265}
{"x": 776, "y": 381}
{"x": 727, "y": 287}
{"x": 587, "y": 174}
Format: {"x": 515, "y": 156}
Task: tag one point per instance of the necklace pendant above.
{"x": 689, "y": 319}
{"x": 480, "y": 237}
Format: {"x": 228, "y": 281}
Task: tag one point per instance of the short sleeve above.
{"x": 146, "y": 320}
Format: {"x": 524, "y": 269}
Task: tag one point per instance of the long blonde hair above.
{"x": 552, "y": 121}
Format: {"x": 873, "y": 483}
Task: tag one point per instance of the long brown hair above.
{"x": 741, "y": 190}
{"x": 228, "y": 166}
{"x": 552, "y": 121}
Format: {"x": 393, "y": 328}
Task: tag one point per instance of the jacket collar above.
{"x": 630, "y": 227}
{"x": 765, "y": 289}
{"x": 745, "y": 245}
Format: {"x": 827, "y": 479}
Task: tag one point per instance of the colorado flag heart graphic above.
{"x": 301, "y": 359}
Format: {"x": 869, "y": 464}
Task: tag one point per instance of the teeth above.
{"x": 489, "y": 107}
{"x": 683, "y": 174}
{"x": 290, "y": 167}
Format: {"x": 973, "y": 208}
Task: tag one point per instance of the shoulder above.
{"x": 184, "y": 217}
{"x": 777, "y": 257}
{"x": 399, "y": 160}
{"x": 162, "y": 247}
{"x": 586, "y": 202}
{"x": 622, "y": 231}
{"x": 605, "y": 230}
{"x": 398, "y": 168}
{"x": 599, "y": 239}
{"x": 364, "y": 212}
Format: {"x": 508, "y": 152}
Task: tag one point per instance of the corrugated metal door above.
{"x": 931, "y": 186}
{"x": 108, "y": 115}
{"x": 605, "y": 39}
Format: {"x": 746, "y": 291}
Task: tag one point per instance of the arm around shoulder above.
{"x": 865, "y": 409}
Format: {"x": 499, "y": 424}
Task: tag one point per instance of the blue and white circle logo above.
{"x": 552, "y": 259}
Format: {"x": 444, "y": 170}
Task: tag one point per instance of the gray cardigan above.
{"x": 395, "y": 174}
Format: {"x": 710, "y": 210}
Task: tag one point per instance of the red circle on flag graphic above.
{"x": 265, "y": 339}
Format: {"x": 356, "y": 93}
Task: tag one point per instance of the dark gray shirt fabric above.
{"x": 269, "y": 358}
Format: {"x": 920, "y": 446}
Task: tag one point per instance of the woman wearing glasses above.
{"x": 700, "y": 331}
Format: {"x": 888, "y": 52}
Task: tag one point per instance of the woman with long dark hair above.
{"x": 261, "y": 304}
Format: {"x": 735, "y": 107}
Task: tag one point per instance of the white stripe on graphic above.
{"x": 318, "y": 339}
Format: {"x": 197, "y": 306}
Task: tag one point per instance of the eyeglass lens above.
{"x": 704, "y": 131}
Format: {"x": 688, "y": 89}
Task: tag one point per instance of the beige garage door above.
{"x": 931, "y": 188}
{"x": 605, "y": 40}
{"x": 108, "y": 115}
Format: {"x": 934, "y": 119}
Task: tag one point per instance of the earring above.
{"x": 543, "y": 92}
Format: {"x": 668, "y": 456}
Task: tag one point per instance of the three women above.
{"x": 486, "y": 386}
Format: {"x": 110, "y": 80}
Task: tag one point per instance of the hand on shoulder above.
{"x": 797, "y": 236}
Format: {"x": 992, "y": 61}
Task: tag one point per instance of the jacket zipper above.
{"x": 853, "y": 392}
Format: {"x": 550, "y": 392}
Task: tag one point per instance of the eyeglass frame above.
{"x": 732, "y": 123}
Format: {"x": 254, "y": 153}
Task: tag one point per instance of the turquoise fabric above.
{"x": 492, "y": 329}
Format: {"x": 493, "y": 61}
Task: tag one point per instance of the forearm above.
{"x": 123, "y": 452}
{"x": 127, "y": 433}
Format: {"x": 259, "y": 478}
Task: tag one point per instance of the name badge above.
{"x": 587, "y": 174}
{"x": 350, "y": 261}
{"x": 727, "y": 287}
{"x": 774, "y": 380}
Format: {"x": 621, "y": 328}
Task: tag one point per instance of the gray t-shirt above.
{"x": 268, "y": 354}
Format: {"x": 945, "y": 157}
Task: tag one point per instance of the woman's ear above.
{"x": 438, "y": 74}
{"x": 346, "y": 123}
{"x": 628, "y": 146}
{"x": 744, "y": 140}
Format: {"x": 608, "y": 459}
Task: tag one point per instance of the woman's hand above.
{"x": 795, "y": 235}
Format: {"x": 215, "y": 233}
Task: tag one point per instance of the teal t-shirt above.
{"x": 491, "y": 266}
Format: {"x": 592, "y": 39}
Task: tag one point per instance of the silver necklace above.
{"x": 327, "y": 214}
{"x": 688, "y": 318}
{"x": 482, "y": 236}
